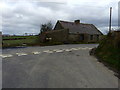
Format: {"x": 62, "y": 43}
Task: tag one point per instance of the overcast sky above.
{"x": 26, "y": 16}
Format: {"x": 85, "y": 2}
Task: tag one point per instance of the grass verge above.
{"x": 108, "y": 53}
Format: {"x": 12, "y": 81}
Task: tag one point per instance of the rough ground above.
{"x": 62, "y": 66}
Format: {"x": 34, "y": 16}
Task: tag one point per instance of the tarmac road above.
{"x": 62, "y": 66}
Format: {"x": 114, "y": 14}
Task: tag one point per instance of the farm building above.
{"x": 65, "y": 31}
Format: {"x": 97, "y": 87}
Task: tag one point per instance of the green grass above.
{"x": 108, "y": 53}
{"x": 13, "y": 37}
{"x": 30, "y": 40}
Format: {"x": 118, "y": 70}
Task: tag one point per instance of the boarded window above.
{"x": 81, "y": 37}
{"x": 91, "y": 37}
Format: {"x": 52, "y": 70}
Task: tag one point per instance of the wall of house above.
{"x": 78, "y": 37}
{"x": 86, "y": 37}
{"x": 73, "y": 37}
{"x": 58, "y": 26}
{"x": 63, "y": 35}
{"x": 94, "y": 38}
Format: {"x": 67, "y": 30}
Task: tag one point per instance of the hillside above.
{"x": 109, "y": 50}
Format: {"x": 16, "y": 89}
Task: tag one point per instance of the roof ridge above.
{"x": 73, "y": 22}
{"x": 65, "y": 21}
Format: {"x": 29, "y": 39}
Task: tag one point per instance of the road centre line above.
{"x": 46, "y": 51}
{"x": 59, "y": 51}
{"x": 36, "y": 52}
{"x": 68, "y": 50}
{"x": 6, "y": 55}
{"x": 21, "y": 54}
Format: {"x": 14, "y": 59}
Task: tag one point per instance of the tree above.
{"x": 46, "y": 27}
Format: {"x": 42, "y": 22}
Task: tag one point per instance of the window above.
{"x": 91, "y": 37}
{"x": 81, "y": 37}
{"x": 97, "y": 37}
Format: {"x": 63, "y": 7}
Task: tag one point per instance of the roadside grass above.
{"x": 13, "y": 41}
{"x": 28, "y": 41}
{"x": 109, "y": 54}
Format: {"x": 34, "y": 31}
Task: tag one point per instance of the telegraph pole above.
{"x": 110, "y": 19}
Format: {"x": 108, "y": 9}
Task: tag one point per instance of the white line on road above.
{"x": 50, "y": 52}
{"x": 68, "y": 50}
{"x": 83, "y": 48}
{"x": 46, "y": 51}
{"x": 21, "y": 54}
{"x": 74, "y": 49}
{"x": 36, "y": 52}
{"x": 55, "y": 50}
{"x": 59, "y": 51}
{"x": 6, "y": 55}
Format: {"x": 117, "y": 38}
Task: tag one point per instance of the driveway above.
{"x": 61, "y": 66}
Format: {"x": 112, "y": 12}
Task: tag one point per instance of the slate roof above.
{"x": 80, "y": 27}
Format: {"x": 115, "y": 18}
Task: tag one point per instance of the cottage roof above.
{"x": 79, "y": 27}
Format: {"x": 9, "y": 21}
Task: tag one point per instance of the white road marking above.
{"x": 59, "y": 51}
{"x": 55, "y": 50}
{"x": 68, "y": 50}
{"x": 21, "y": 54}
{"x": 6, "y": 55}
{"x": 46, "y": 51}
{"x": 83, "y": 48}
{"x": 74, "y": 49}
{"x": 50, "y": 52}
{"x": 36, "y": 52}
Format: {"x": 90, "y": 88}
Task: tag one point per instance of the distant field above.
{"x": 14, "y": 37}
{"x": 20, "y": 41}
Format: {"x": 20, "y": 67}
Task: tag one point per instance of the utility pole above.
{"x": 110, "y": 19}
{"x": 119, "y": 15}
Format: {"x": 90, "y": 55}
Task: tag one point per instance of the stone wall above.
{"x": 55, "y": 35}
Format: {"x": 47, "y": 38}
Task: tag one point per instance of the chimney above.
{"x": 77, "y": 21}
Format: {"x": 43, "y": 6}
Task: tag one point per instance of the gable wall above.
{"x": 58, "y": 26}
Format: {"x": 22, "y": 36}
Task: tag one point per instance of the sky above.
{"x": 26, "y": 16}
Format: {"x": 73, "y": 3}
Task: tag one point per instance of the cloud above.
{"x": 19, "y": 17}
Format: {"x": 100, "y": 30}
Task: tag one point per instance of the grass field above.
{"x": 20, "y": 41}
